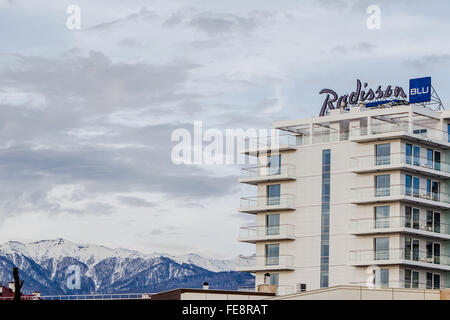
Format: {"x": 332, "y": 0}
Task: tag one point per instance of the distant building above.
{"x": 7, "y": 293}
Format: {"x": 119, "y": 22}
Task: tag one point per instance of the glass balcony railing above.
{"x": 255, "y": 172}
{"x": 271, "y": 142}
{"x": 373, "y": 161}
{"x": 371, "y": 193}
{"x": 374, "y": 225}
{"x": 282, "y": 201}
{"x": 421, "y": 131}
{"x": 264, "y": 232}
{"x": 266, "y": 263}
{"x": 374, "y": 256}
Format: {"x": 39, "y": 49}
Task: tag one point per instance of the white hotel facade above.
{"x": 350, "y": 198}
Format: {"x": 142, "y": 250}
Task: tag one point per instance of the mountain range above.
{"x": 49, "y": 266}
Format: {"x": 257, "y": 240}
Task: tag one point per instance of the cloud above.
{"x": 136, "y": 202}
{"x": 428, "y": 62}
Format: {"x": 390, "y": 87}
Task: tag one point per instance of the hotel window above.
{"x": 416, "y": 218}
{"x": 411, "y": 246}
{"x": 437, "y": 253}
{"x": 433, "y": 281}
{"x": 383, "y": 154}
{"x": 437, "y": 160}
{"x": 272, "y": 254}
{"x": 273, "y": 224}
{"x": 411, "y": 279}
{"x": 416, "y": 186}
{"x": 381, "y": 277}
{"x": 416, "y": 156}
{"x": 273, "y": 194}
{"x": 435, "y": 190}
{"x": 274, "y": 279}
{"x": 408, "y": 153}
{"x": 382, "y": 217}
{"x": 274, "y": 164}
{"x": 408, "y": 211}
{"x": 422, "y": 132}
{"x": 381, "y": 248}
{"x": 433, "y": 221}
{"x": 301, "y": 287}
{"x": 430, "y": 158}
{"x": 408, "y": 184}
{"x": 382, "y": 185}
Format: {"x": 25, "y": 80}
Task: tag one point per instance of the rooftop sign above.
{"x": 419, "y": 91}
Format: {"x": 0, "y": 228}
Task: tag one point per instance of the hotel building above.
{"x": 355, "y": 197}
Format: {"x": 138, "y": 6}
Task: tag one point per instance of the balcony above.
{"x": 386, "y": 130}
{"x": 275, "y": 143}
{"x": 366, "y": 195}
{"x": 261, "y": 263}
{"x": 263, "y": 233}
{"x": 423, "y": 259}
{"x": 399, "y": 224}
{"x": 257, "y": 175}
{"x": 365, "y": 164}
{"x": 265, "y": 204}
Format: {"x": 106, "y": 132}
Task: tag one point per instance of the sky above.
{"x": 87, "y": 114}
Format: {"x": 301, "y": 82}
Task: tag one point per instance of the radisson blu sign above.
{"x": 419, "y": 91}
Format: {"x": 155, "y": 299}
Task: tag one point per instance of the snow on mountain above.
{"x": 45, "y": 266}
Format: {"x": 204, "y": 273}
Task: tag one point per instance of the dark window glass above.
{"x": 416, "y": 186}
{"x": 408, "y": 211}
{"x": 408, "y": 153}
{"x": 429, "y": 284}
{"x": 416, "y": 218}
{"x": 437, "y": 160}
{"x": 408, "y": 185}
{"x": 407, "y": 278}
{"x": 415, "y": 279}
{"x": 416, "y": 156}
{"x": 436, "y": 281}
{"x": 429, "y": 220}
{"x": 408, "y": 248}
{"x": 437, "y": 222}
{"x": 383, "y": 153}
{"x": 415, "y": 250}
{"x": 430, "y": 158}
{"x": 437, "y": 253}
{"x": 272, "y": 254}
{"x": 435, "y": 190}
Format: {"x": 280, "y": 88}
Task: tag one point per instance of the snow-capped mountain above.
{"x": 45, "y": 266}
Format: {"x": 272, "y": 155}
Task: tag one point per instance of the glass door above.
{"x": 272, "y": 254}
{"x": 273, "y": 224}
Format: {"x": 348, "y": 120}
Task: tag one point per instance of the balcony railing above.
{"x": 370, "y": 194}
{"x": 255, "y": 233}
{"x": 255, "y": 174}
{"x": 402, "y": 128}
{"x": 372, "y": 225}
{"x": 374, "y": 162}
{"x": 262, "y": 203}
{"x": 274, "y": 142}
{"x": 262, "y": 263}
{"x": 399, "y": 256}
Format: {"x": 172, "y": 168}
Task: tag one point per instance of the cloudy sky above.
{"x": 87, "y": 115}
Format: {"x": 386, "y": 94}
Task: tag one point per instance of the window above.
{"x": 430, "y": 158}
{"x": 273, "y": 194}
{"x": 435, "y": 190}
{"x": 383, "y": 153}
{"x": 429, "y": 220}
{"x": 408, "y": 248}
{"x": 422, "y": 132}
{"x": 433, "y": 281}
{"x": 272, "y": 224}
{"x": 381, "y": 277}
{"x": 416, "y": 156}
{"x": 416, "y": 217}
{"x": 416, "y": 186}
{"x": 408, "y": 211}
{"x": 437, "y": 160}
{"x": 382, "y": 217}
{"x": 381, "y": 248}
{"x": 415, "y": 250}
{"x": 411, "y": 249}
{"x": 325, "y": 220}
{"x": 272, "y": 254}
{"x": 382, "y": 185}
{"x": 408, "y": 153}
{"x": 274, "y": 165}
{"x": 274, "y": 279}
{"x": 408, "y": 185}
{"x": 301, "y": 287}
{"x": 411, "y": 279}
{"x": 437, "y": 222}
{"x": 436, "y": 281}
{"x": 437, "y": 253}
